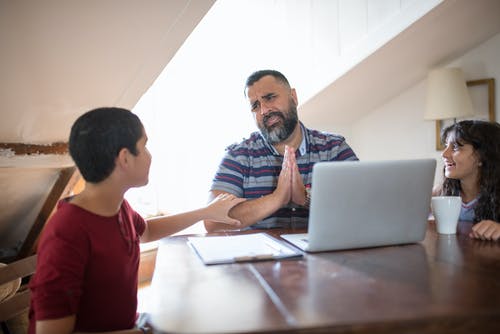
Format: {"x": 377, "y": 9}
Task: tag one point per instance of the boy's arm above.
{"x": 217, "y": 210}
{"x": 56, "y": 326}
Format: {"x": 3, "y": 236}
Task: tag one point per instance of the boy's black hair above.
{"x": 97, "y": 137}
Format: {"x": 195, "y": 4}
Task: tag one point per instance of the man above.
{"x": 273, "y": 168}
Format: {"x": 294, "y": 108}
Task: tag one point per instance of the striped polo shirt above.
{"x": 251, "y": 168}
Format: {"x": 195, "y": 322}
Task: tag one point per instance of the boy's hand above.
{"x": 218, "y": 209}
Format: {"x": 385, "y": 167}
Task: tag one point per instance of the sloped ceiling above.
{"x": 60, "y": 58}
{"x": 446, "y": 32}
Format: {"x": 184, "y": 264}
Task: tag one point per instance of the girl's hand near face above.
{"x": 486, "y": 230}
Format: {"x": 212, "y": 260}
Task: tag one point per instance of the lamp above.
{"x": 447, "y": 95}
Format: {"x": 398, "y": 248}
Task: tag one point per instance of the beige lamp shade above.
{"x": 447, "y": 95}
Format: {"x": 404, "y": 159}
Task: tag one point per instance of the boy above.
{"x": 88, "y": 256}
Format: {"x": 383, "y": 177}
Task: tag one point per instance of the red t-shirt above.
{"x": 88, "y": 265}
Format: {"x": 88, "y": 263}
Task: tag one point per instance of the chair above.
{"x": 14, "y": 292}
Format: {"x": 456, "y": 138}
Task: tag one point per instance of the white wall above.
{"x": 397, "y": 130}
{"x": 340, "y": 34}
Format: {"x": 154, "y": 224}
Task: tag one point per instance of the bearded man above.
{"x": 273, "y": 168}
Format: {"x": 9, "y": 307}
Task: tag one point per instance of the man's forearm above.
{"x": 248, "y": 212}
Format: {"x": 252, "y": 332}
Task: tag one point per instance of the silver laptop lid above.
{"x": 356, "y": 204}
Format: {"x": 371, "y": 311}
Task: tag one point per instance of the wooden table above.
{"x": 445, "y": 284}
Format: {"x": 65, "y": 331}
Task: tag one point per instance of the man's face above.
{"x": 274, "y": 106}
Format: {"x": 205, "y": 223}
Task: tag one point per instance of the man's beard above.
{"x": 279, "y": 132}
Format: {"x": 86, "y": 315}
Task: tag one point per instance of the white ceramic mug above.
{"x": 446, "y": 210}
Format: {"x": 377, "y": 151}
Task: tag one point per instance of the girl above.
{"x": 472, "y": 170}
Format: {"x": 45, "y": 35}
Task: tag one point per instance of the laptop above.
{"x": 359, "y": 204}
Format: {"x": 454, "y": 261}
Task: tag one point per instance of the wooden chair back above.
{"x": 17, "y": 300}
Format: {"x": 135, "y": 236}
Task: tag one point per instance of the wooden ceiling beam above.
{"x": 63, "y": 187}
{"x": 28, "y": 149}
